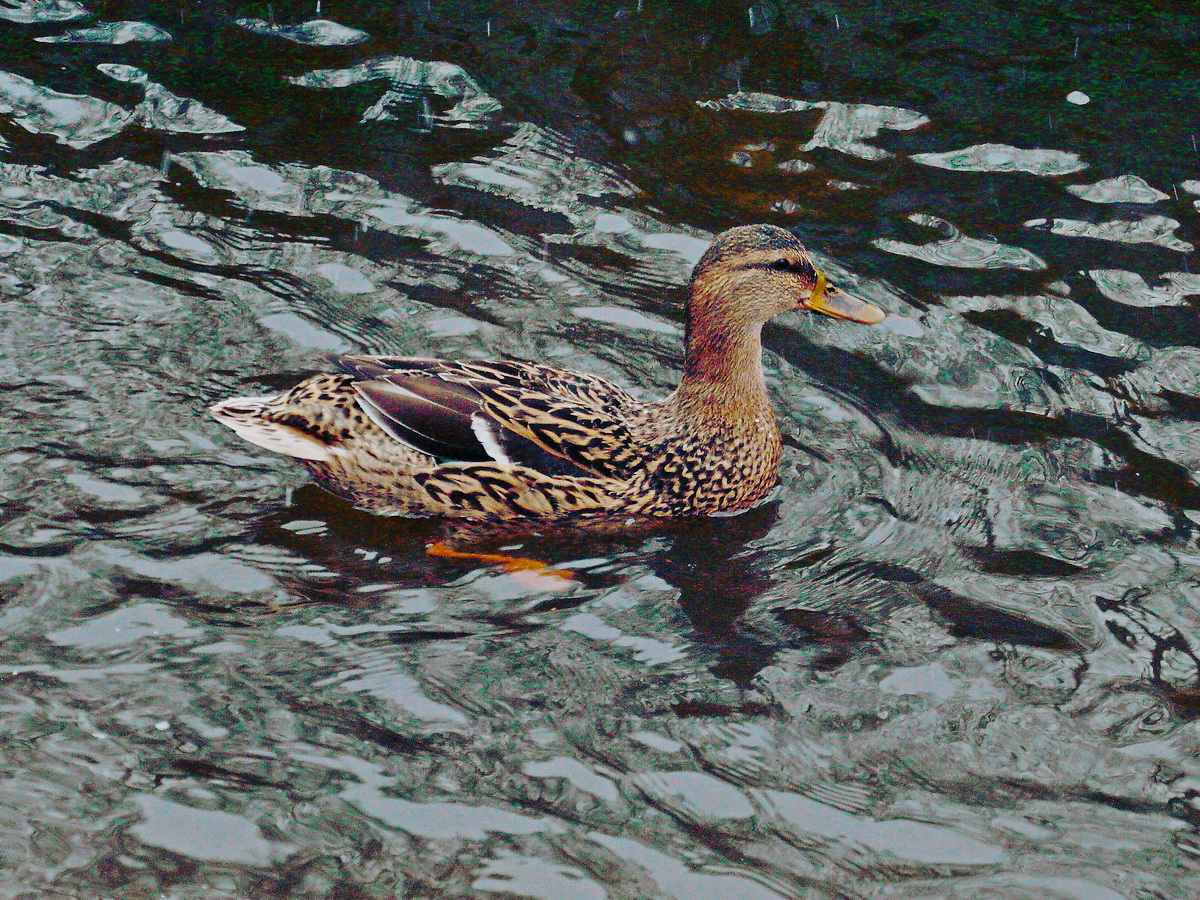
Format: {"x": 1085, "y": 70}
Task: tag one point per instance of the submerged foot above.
{"x": 510, "y": 564}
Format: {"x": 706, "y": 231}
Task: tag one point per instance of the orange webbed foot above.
{"x": 514, "y": 565}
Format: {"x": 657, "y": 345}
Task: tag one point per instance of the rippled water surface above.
{"x": 957, "y": 657}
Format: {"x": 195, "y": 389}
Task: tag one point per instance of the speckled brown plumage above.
{"x": 500, "y": 440}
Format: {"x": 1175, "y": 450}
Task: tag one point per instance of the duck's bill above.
{"x": 834, "y": 302}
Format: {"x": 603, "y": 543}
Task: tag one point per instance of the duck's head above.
{"x": 755, "y": 272}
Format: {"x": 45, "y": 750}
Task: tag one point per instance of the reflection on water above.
{"x": 1158, "y": 230}
{"x": 960, "y": 252}
{"x": 316, "y": 33}
{"x": 1121, "y": 189}
{"x": 955, "y": 657}
{"x": 109, "y": 33}
{"x": 843, "y": 126}
{"x": 163, "y": 111}
{"x": 410, "y": 80}
{"x": 28, "y": 12}
{"x": 75, "y": 120}
{"x": 1131, "y": 288}
{"x": 1004, "y": 158}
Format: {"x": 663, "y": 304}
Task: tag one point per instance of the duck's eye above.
{"x": 781, "y": 265}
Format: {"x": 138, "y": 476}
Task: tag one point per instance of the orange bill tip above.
{"x": 833, "y": 302}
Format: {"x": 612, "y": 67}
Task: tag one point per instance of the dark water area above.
{"x": 956, "y": 657}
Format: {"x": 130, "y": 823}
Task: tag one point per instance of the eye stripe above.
{"x": 802, "y": 267}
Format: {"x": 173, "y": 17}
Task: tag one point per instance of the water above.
{"x": 956, "y": 656}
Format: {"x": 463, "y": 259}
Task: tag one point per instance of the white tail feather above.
{"x": 282, "y": 439}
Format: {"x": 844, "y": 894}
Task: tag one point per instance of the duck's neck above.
{"x": 722, "y": 372}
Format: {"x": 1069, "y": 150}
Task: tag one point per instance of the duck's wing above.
{"x": 550, "y": 420}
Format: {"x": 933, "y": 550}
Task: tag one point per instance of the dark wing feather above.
{"x": 428, "y": 414}
{"x": 369, "y": 368}
{"x": 592, "y": 438}
{"x": 554, "y": 421}
{"x": 524, "y": 452}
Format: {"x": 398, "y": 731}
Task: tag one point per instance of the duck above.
{"x": 506, "y": 439}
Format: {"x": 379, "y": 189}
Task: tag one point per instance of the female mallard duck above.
{"x": 500, "y": 440}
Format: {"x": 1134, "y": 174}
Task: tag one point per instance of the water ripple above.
{"x": 314, "y": 33}
{"x": 541, "y": 168}
{"x": 162, "y": 110}
{"x": 38, "y": 12}
{"x": 1131, "y": 289}
{"x": 1192, "y": 187}
{"x": 961, "y": 252}
{"x": 1004, "y": 158}
{"x": 510, "y": 873}
{"x": 76, "y": 120}
{"x": 844, "y": 127}
{"x": 204, "y": 834}
{"x": 110, "y": 33}
{"x": 1121, "y": 189}
{"x": 1159, "y": 230}
{"x": 410, "y": 79}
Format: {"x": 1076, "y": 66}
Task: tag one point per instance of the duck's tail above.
{"x": 255, "y": 419}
